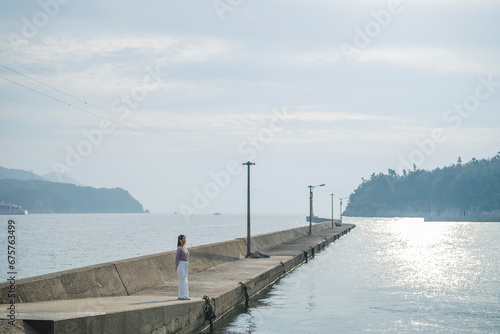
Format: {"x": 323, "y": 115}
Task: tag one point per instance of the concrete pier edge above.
{"x": 252, "y": 296}
{"x": 140, "y": 307}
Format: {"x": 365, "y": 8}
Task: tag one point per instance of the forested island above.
{"x": 52, "y": 197}
{"x": 463, "y": 191}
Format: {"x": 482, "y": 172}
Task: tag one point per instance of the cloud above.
{"x": 436, "y": 59}
{"x": 445, "y": 60}
{"x": 108, "y": 64}
{"x": 335, "y": 116}
{"x": 323, "y": 57}
{"x": 186, "y": 49}
{"x": 307, "y": 125}
{"x": 252, "y": 119}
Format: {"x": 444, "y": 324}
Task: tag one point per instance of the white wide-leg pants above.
{"x": 182, "y": 273}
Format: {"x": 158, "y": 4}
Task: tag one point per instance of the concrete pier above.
{"x": 139, "y": 295}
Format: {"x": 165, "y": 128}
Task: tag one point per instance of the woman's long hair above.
{"x": 179, "y": 239}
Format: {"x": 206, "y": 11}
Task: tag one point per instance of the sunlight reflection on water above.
{"x": 432, "y": 256}
{"x": 389, "y": 275}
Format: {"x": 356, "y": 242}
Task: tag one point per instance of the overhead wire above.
{"x": 96, "y": 115}
{"x": 50, "y": 97}
{"x": 178, "y": 142}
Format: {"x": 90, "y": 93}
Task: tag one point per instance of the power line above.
{"x": 197, "y": 148}
{"x": 185, "y": 145}
{"x": 108, "y": 112}
{"x": 51, "y": 97}
{"x": 44, "y": 84}
{"x": 100, "y": 117}
{"x": 181, "y": 143}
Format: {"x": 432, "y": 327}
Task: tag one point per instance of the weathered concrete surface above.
{"x": 93, "y": 281}
{"x": 120, "y": 278}
{"x": 155, "y": 308}
{"x": 159, "y": 269}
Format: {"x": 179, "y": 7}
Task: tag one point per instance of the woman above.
{"x": 181, "y": 266}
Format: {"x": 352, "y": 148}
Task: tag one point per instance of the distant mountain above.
{"x": 51, "y": 197}
{"x": 62, "y": 178}
{"x": 466, "y": 191}
{"x": 18, "y": 174}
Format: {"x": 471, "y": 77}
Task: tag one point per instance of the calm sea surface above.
{"x": 386, "y": 276}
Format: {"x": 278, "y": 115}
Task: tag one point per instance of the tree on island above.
{"x": 470, "y": 189}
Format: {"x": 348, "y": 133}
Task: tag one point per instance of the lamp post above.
{"x": 311, "y": 205}
{"x": 248, "y": 163}
{"x": 340, "y": 213}
{"x": 332, "y": 210}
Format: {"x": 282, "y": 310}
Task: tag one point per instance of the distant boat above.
{"x": 12, "y": 209}
{"x": 217, "y": 214}
{"x": 316, "y": 219}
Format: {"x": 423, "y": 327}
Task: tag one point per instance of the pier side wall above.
{"x": 263, "y": 242}
{"x": 127, "y": 277}
{"x": 93, "y": 281}
{"x": 151, "y": 271}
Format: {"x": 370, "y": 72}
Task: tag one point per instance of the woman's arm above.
{"x": 177, "y": 257}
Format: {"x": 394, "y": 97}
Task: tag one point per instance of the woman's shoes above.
{"x": 184, "y": 298}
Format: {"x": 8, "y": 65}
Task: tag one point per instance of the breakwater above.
{"x": 139, "y": 295}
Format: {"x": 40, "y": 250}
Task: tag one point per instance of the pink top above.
{"x": 182, "y": 254}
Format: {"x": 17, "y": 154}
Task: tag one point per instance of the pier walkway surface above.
{"x": 142, "y": 298}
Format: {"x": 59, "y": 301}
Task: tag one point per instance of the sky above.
{"x": 167, "y": 99}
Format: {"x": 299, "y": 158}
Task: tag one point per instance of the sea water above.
{"x": 387, "y": 276}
